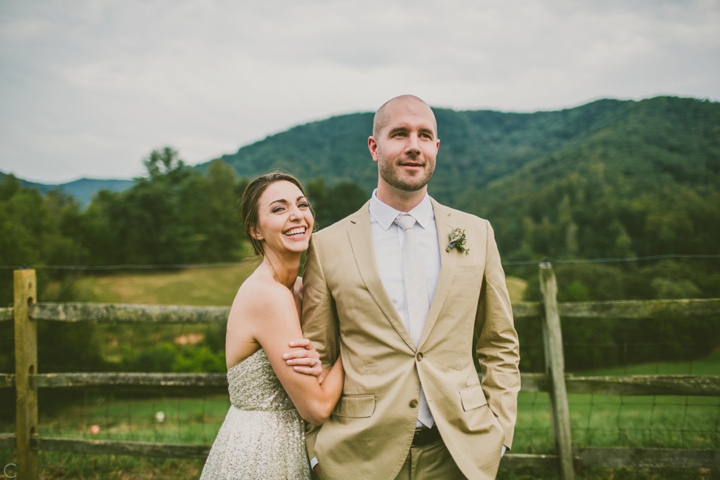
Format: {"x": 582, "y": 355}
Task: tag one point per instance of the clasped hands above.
{"x": 307, "y": 360}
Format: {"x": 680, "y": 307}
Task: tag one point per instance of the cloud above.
{"x": 89, "y": 88}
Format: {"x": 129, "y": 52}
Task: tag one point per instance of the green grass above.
{"x": 704, "y": 366}
{"x": 206, "y": 286}
{"x": 187, "y": 420}
{"x": 627, "y": 421}
{"x": 516, "y": 288}
{"x": 643, "y": 422}
{"x": 621, "y": 421}
{"x": 78, "y": 466}
{"x": 613, "y": 474}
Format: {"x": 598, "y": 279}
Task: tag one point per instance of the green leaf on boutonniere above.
{"x": 457, "y": 240}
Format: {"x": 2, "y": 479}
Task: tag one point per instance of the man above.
{"x": 386, "y": 289}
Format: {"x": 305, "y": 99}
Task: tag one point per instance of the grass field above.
{"x": 704, "y": 366}
{"x": 204, "y": 286}
{"x": 628, "y": 421}
{"x": 670, "y": 422}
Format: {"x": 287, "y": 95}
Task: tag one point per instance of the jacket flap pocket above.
{"x": 472, "y": 397}
{"x": 356, "y": 406}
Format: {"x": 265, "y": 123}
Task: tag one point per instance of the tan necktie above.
{"x": 416, "y": 295}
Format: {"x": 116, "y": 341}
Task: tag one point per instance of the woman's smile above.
{"x": 296, "y": 231}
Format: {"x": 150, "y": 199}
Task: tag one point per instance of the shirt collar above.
{"x": 385, "y": 215}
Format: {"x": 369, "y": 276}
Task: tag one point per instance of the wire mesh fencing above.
{"x": 180, "y": 416}
{"x": 656, "y": 347}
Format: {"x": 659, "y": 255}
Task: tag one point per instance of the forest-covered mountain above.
{"x": 477, "y": 147}
{"x": 642, "y": 181}
{"x": 610, "y": 178}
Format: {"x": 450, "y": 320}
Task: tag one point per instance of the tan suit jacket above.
{"x": 346, "y": 311}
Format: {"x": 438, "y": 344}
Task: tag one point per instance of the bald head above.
{"x": 382, "y": 116}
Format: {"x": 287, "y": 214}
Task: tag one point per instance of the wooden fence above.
{"x": 26, "y": 380}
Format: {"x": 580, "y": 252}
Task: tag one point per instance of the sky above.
{"x": 90, "y": 88}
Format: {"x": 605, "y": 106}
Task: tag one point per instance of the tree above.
{"x": 173, "y": 215}
{"x": 334, "y": 203}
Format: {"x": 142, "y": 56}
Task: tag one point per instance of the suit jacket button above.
{"x": 419, "y": 356}
{"x": 413, "y": 403}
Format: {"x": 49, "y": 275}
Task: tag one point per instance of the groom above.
{"x": 386, "y": 289}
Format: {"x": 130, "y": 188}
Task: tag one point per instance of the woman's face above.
{"x": 284, "y": 218}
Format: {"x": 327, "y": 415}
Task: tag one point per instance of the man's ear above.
{"x": 373, "y": 146}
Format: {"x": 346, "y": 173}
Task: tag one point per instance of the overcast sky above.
{"x": 89, "y": 88}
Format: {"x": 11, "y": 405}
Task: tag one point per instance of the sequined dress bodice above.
{"x": 263, "y": 436}
{"x": 253, "y": 385}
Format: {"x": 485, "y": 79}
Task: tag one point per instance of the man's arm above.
{"x": 319, "y": 320}
{"x": 497, "y": 347}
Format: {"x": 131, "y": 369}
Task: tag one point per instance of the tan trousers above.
{"x": 430, "y": 462}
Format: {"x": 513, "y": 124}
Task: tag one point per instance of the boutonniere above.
{"x": 457, "y": 240}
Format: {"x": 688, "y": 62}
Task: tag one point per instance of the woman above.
{"x": 263, "y": 435}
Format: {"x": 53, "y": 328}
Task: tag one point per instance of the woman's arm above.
{"x": 275, "y": 324}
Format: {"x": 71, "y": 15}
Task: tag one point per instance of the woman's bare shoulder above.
{"x": 258, "y": 296}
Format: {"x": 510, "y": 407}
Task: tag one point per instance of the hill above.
{"x": 644, "y": 181}
{"x": 82, "y": 190}
{"x": 477, "y": 147}
{"x": 604, "y": 180}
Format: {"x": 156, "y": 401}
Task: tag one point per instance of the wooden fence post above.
{"x": 555, "y": 368}
{"x": 25, "y": 290}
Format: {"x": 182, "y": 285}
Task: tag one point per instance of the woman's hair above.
{"x": 251, "y": 197}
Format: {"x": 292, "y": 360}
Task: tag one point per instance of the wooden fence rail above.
{"x": 204, "y": 383}
{"x": 26, "y": 380}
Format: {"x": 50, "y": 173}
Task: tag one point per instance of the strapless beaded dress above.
{"x": 263, "y": 436}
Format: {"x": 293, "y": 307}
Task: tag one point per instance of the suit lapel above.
{"x": 448, "y": 261}
{"x": 362, "y": 245}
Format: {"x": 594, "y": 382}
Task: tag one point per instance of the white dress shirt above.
{"x": 387, "y": 243}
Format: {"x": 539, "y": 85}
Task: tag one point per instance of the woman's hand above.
{"x": 305, "y": 361}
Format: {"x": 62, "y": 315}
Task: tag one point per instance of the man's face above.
{"x": 406, "y": 146}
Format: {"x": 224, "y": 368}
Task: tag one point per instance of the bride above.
{"x": 263, "y": 435}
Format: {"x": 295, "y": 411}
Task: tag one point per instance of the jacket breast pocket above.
{"x": 355, "y": 406}
{"x": 472, "y": 397}
{"x": 468, "y": 270}
{"x": 471, "y": 275}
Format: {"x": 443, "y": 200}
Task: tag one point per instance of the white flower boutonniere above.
{"x": 457, "y": 240}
